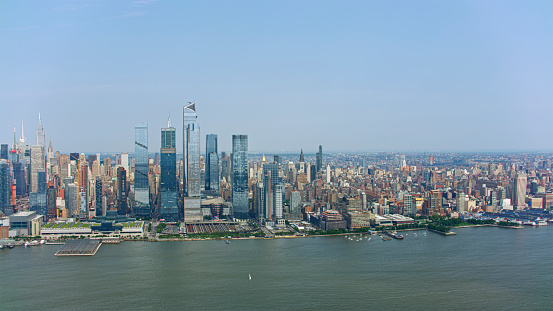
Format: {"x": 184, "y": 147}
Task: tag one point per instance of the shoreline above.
{"x": 149, "y": 239}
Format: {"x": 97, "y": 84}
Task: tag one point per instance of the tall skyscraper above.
{"x": 191, "y": 165}
{"x": 319, "y": 158}
{"x": 99, "y": 196}
{"x": 225, "y": 167}
{"x": 121, "y": 191}
{"x": 4, "y": 151}
{"x": 519, "y": 193}
{"x": 125, "y": 162}
{"x": 141, "y": 187}
{"x": 40, "y": 137}
{"x": 37, "y": 163}
{"x": 37, "y": 199}
{"x": 211, "y": 164}
{"x": 240, "y": 204}
{"x": 5, "y": 188}
{"x": 51, "y": 202}
{"x": 168, "y": 177}
{"x": 270, "y": 180}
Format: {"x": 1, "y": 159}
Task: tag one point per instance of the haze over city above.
{"x": 353, "y": 76}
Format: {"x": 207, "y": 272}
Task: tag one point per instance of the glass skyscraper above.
{"x": 240, "y": 204}
{"x": 191, "y": 164}
{"x": 168, "y": 179}
{"x": 141, "y": 186}
{"x": 270, "y": 179}
{"x": 99, "y": 195}
{"x": 319, "y": 159}
{"x": 5, "y": 188}
{"x": 37, "y": 200}
{"x": 211, "y": 164}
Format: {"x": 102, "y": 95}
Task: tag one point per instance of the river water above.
{"x": 478, "y": 269}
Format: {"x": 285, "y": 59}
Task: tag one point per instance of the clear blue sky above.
{"x": 349, "y": 75}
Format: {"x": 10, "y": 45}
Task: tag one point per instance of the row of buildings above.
{"x": 359, "y": 188}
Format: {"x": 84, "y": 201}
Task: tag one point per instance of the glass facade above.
{"x": 37, "y": 200}
{"x": 5, "y": 187}
{"x": 98, "y": 196}
{"x": 141, "y": 186}
{"x": 168, "y": 178}
{"x": 191, "y": 151}
{"x": 319, "y": 159}
{"x": 240, "y": 204}
{"x": 212, "y": 164}
{"x": 191, "y": 164}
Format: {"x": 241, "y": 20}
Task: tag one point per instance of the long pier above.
{"x": 82, "y": 247}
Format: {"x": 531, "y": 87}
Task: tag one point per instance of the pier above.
{"x": 84, "y": 247}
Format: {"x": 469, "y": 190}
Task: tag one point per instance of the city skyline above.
{"x": 423, "y": 76}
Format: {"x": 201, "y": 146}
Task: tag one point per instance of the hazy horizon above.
{"x": 353, "y": 76}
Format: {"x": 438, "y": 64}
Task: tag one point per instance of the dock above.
{"x": 81, "y": 247}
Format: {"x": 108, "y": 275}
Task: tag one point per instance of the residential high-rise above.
{"x": 37, "y": 199}
{"x": 462, "y": 201}
{"x": 141, "y": 187}
{"x": 51, "y": 202}
{"x": 240, "y": 203}
{"x": 37, "y": 163}
{"x": 5, "y": 188}
{"x": 270, "y": 180}
{"x": 4, "y": 152}
{"x": 19, "y": 177}
{"x": 519, "y": 193}
{"x": 121, "y": 191}
{"x": 211, "y": 164}
{"x": 278, "y": 200}
{"x": 71, "y": 198}
{"x": 295, "y": 204}
{"x": 409, "y": 205}
{"x": 225, "y": 167}
{"x": 40, "y": 137}
{"x": 168, "y": 176}
{"x": 191, "y": 165}
{"x": 125, "y": 162}
{"x": 98, "y": 196}
{"x": 319, "y": 158}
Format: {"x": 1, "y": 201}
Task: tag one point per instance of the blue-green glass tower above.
{"x": 141, "y": 185}
{"x": 168, "y": 180}
{"x": 211, "y": 164}
{"x": 240, "y": 203}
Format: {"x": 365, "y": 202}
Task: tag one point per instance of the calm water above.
{"x": 480, "y": 268}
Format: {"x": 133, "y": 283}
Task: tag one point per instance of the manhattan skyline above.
{"x": 354, "y": 76}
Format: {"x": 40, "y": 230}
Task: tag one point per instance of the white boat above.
{"x": 542, "y": 223}
{"x": 529, "y": 223}
{"x": 27, "y": 244}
